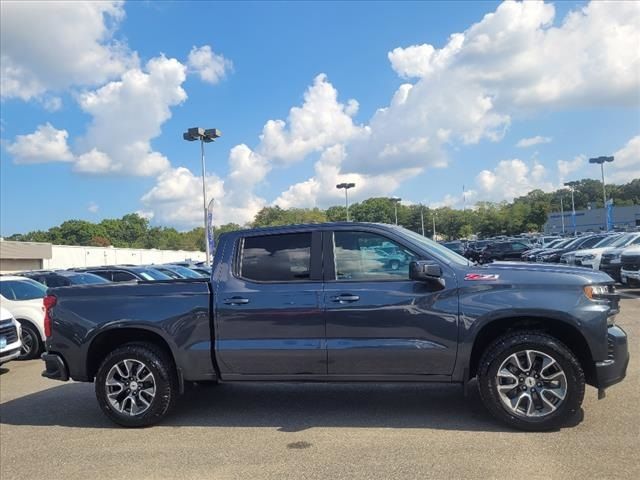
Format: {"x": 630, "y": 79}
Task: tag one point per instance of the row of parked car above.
{"x": 615, "y": 253}
{"x": 22, "y": 333}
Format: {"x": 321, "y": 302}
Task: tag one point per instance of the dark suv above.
{"x": 128, "y": 273}
{"x": 509, "y": 250}
{"x": 63, "y": 278}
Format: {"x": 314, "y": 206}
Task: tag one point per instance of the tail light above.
{"x": 49, "y": 302}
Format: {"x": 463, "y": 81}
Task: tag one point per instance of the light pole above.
{"x": 562, "y": 212}
{"x": 395, "y": 201}
{"x": 601, "y": 161}
{"x": 572, "y": 188}
{"x": 434, "y": 226}
{"x": 422, "y": 218}
{"x": 205, "y": 136}
{"x": 346, "y": 187}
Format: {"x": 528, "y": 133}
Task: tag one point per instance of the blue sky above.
{"x": 408, "y": 99}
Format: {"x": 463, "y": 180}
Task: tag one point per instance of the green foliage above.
{"x": 525, "y": 214}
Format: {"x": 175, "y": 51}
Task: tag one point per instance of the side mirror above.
{"x": 423, "y": 270}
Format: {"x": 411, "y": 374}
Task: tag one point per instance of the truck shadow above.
{"x": 287, "y": 407}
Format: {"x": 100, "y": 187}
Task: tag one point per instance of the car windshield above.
{"x": 25, "y": 289}
{"x": 607, "y": 241}
{"x": 441, "y": 251}
{"x": 624, "y": 240}
{"x": 85, "y": 279}
{"x": 554, "y": 243}
{"x": 152, "y": 274}
{"x": 185, "y": 272}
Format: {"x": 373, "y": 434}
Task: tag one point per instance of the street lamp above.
{"x": 562, "y": 212}
{"x": 572, "y": 188}
{"x": 395, "y": 201}
{"x": 205, "y": 136}
{"x": 346, "y": 187}
{"x": 434, "y": 225}
{"x": 422, "y": 218}
{"x": 601, "y": 161}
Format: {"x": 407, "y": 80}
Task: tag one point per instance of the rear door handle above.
{"x": 345, "y": 298}
{"x": 236, "y": 301}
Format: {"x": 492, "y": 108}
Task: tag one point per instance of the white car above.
{"x": 591, "y": 257}
{"x": 630, "y": 271}
{"x": 10, "y": 341}
{"x": 23, "y": 298}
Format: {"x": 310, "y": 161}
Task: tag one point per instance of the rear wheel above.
{"x": 31, "y": 343}
{"x": 136, "y": 385}
{"x": 531, "y": 381}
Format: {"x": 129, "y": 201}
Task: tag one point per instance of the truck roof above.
{"x": 309, "y": 226}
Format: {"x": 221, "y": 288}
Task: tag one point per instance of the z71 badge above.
{"x": 481, "y": 276}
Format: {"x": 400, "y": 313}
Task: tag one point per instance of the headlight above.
{"x": 595, "y": 291}
{"x": 588, "y": 257}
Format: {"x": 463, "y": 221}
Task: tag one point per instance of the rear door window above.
{"x": 277, "y": 258}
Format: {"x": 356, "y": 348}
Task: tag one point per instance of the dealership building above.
{"x": 594, "y": 220}
{"x": 21, "y": 256}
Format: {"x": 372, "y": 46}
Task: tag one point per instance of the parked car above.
{"x": 63, "y": 278}
{"x": 587, "y": 257}
{"x": 545, "y": 241}
{"x": 630, "y": 266}
{"x": 611, "y": 260}
{"x": 554, "y": 255}
{"x": 507, "y": 250}
{"x": 126, "y": 273}
{"x": 530, "y": 255}
{"x": 623, "y": 241}
{"x": 456, "y": 246}
{"x": 23, "y": 298}
{"x": 10, "y": 336}
{"x": 308, "y": 303}
{"x": 176, "y": 271}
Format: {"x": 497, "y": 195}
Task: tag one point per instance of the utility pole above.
{"x": 434, "y": 226}
{"x": 602, "y": 161}
{"x": 422, "y": 218}
{"x": 205, "y": 136}
{"x": 562, "y": 213}
{"x": 346, "y": 187}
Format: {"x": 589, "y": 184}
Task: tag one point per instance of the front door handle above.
{"x": 345, "y": 298}
{"x": 236, "y": 301}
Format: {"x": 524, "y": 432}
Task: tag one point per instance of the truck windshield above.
{"x": 440, "y": 251}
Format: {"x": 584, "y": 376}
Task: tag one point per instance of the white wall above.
{"x": 68, "y": 256}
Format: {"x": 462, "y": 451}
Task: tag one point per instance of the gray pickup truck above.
{"x": 317, "y": 303}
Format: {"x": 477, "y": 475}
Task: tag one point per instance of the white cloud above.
{"x": 626, "y": 164}
{"x": 320, "y": 122}
{"x": 511, "y": 179}
{"x": 51, "y": 104}
{"x": 567, "y": 167}
{"x": 46, "y": 144}
{"x": 531, "y": 141}
{"x": 50, "y": 46}
{"x": 126, "y": 115}
{"x": 209, "y": 66}
{"x": 93, "y": 207}
{"x": 176, "y": 199}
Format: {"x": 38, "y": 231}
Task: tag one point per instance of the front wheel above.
{"x": 136, "y": 385}
{"x": 531, "y": 381}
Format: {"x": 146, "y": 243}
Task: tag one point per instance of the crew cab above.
{"x": 315, "y": 303}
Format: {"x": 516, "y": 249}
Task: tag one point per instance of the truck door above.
{"x": 379, "y": 322}
{"x": 268, "y": 315}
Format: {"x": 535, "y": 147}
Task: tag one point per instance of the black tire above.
{"x": 512, "y": 343}
{"x": 31, "y": 341}
{"x": 159, "y": 364}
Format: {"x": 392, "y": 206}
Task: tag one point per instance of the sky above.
{"x": 411, "y": 99}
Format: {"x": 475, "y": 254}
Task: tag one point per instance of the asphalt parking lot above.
{"x": 56, "y": 430}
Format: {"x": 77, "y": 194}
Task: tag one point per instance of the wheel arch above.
{"x": 567, "y": 333}
{"x": 112, "y": 338}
